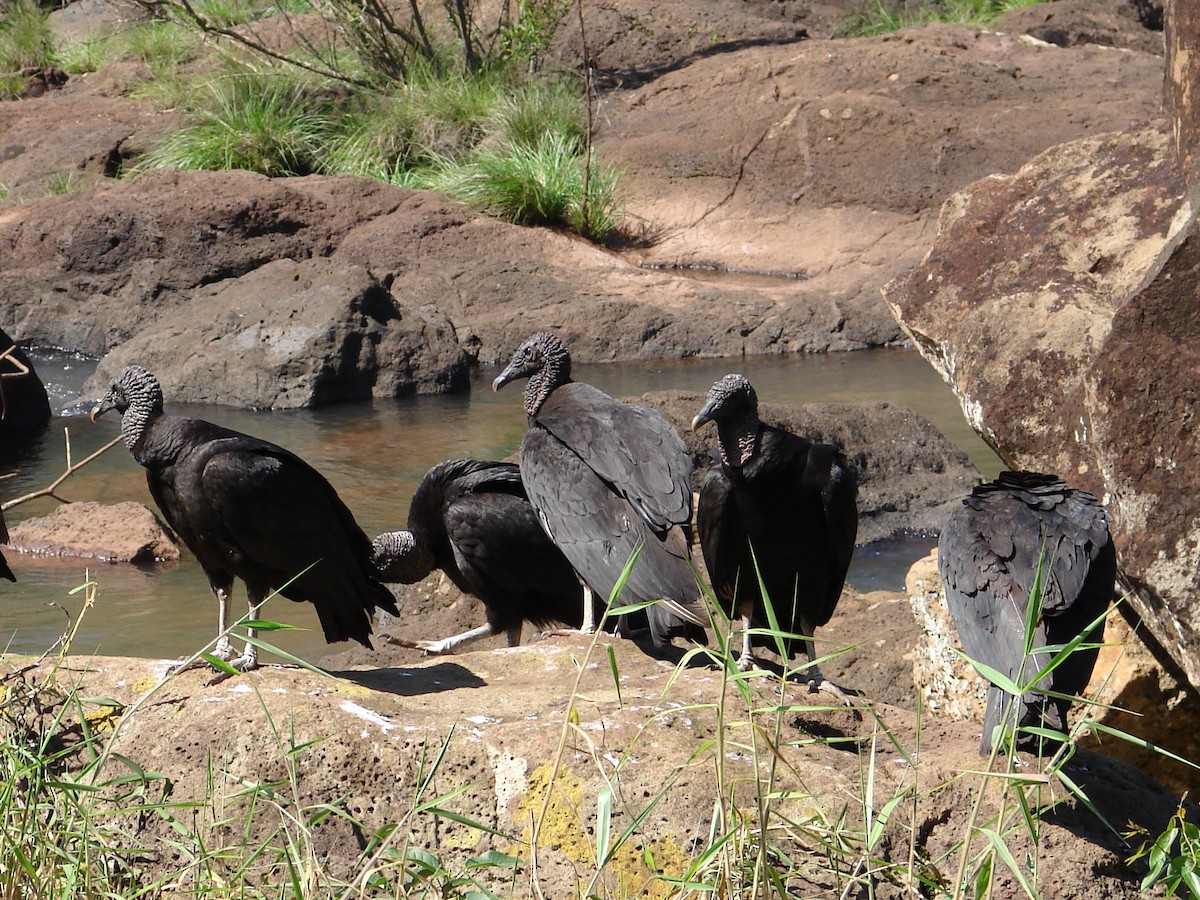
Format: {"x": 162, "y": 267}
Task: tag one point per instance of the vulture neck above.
{"x": 136, "y": 425}
{"x": 543, "y": 383}
{"x": 737, "y": 438}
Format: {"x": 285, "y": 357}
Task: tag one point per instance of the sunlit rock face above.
{"x": 1060, "y": 303}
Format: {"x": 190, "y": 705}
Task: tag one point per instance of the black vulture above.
{"x": 989, "y": 555}
{"x": 472, "y": 519}
{"x": 779, "y": 507}
{"x": 249, "y": 509}
{"x": 5, "y": 571}
{"x": 607, "y": 478}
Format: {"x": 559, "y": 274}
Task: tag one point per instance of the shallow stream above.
{"x": 374, "y": 453}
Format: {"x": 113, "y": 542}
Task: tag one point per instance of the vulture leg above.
{"x": 249, "y": 658}
{"x": 224, "y": 648}
{"x": 514, "y": 635}
{"x": 745, "y": 662}
{"x": 817, "y": 681}
{"x": 589, "y": 612}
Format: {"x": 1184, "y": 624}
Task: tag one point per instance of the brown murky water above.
{"x": 374, "y": 454}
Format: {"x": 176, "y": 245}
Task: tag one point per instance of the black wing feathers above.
{"x": 475, "y": 517}
{"x": 792, "y": 512}
{"x": 5, "y": 571}
{"x": 250, "y": 509}
{"x": 988, "y": 556}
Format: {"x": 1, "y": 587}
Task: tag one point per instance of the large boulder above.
{"x": 1060, "y": 305}
{"x": 480, "y": 738}
{"x": 162, "y": 255}
{"x": 827, "y": 160}
{"x": 293, "y": 334}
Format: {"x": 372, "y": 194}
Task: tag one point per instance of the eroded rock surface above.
{"x": 358, "y": 742}
{"x": 118, "y": 532}
{"x": 1060, "y": 305}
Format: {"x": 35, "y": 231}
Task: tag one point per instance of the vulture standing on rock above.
{"x": 607, "y": 478}
{"x": 989, "y": 555}
{"x": 472, "y": 519}
{"x": 781, "y": 508}
{"x": 251, "y": 510}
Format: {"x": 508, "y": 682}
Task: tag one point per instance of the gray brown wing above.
{"x": 597, "y": 531}
{"x": 635, "y": 450}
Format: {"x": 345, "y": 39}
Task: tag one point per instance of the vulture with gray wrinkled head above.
{"x": 249, "y": 509}
{"x": 472, "y": 519}
{"x": 779, "y": 508}
{"x": 606, "y": 479}
{"x": 1005, "y": 536}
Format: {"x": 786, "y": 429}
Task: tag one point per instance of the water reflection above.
{"x": 374, "y": 453}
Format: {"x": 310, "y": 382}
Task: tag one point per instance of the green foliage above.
{"x": 26, "y": 40}
{"x": 1173, "y": 857}
{"x": 886, "y": 16}
{"x": 88, "y": 54}
{"x": 542, "y": 184}
{"x": 529, "y": 35}
{"x": 269, "y": 125}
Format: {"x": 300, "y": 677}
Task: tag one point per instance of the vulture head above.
{"x": 399, "y": 559}
{"x": 137, "y": 396}
{"x": 545, "y": 361}
{"x": 733, "y": 405}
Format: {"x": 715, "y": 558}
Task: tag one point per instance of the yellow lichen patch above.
{"x": 564, "y": 831}
{"x": 144, "y": 684}
{"x": 350, "y": 689}
{"x": 103, "y": 718}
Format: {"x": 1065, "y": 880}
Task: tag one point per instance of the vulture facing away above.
{"x": 988, "y": 557}
{"x": 781, "y": 501}
{"x": 606, "y": 478}
{"x": 472, "y": 519}
{"x": 249, "y": 509}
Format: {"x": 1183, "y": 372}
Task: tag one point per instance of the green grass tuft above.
{"x": 260, "y": 124}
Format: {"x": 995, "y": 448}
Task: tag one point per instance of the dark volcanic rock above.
{"x": 293, "y": 334}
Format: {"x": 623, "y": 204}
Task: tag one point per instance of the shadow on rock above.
{"x": 416, "y": 681}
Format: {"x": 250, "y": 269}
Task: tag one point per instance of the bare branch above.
{"x": 72, "y": 468}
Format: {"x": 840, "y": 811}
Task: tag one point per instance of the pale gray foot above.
{"x": 445, "y": 645}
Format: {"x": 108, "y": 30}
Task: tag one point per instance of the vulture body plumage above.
{"x": 779, "y": 508}
{"x": 252, "y": 510}
{"x": 606, "y": 479}
{"x": 472, "y": 520}
{"x": 989, "y": 556}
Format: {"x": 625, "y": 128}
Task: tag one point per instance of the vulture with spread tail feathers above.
{"x": 249, "y": 509}
{"x": 781, "y": 508}
{"x": 989, "y": 556}
{"x": 472, "y": 519}
{"x": 606, "y": 479}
